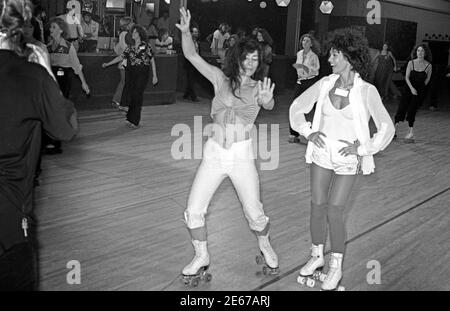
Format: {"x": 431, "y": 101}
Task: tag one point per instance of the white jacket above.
{"x": 367, "y": 104}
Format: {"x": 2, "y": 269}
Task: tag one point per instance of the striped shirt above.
{"x": 162, "y": 46}
{"x": 229, "y": 109}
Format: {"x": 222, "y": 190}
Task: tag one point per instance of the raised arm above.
{"x": 210, "y": 72}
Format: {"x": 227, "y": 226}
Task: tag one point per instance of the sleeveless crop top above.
{"x": 245, "y": 108}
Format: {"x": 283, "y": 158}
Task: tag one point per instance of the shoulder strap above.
{"x": 426, "y": 67}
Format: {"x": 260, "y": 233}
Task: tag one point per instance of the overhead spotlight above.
{"x": 167, "y": 1}
{"x": 283, "y": 3}
{"x": 326, "y": 7}
{"x": 263, "y": 4}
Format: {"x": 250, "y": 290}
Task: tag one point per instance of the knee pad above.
{"x": 194, "y": 220}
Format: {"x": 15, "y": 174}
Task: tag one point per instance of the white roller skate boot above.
{"x": 312, "y": 271}
{"x": 269, "y": 258}
{"x": 334, "y": 275}
{"x": 409, "y": 138}
{"x": 197, "y": 269}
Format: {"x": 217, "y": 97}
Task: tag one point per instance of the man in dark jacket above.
{"x": 30, "y": 99}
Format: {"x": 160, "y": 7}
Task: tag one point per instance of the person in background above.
{"x": 218, "y": 39}
{"x": 30, "y": 100}
{"x": 163, "y": 21}
{"x": 191, "y": 71}
{"x": 72, "y": 18}
{"x": 65, "y": 64}
{"x": 90, "y": 31}
{"x": 41, "y": 19}
{"x": 164, "y": 41}
{"x": 125, "y": 40}
{"x": 152, "y": 32}
{"x": 254, "y": 32}
{"x": 139, "y": 57}
{"x": 340, "y": 145}
{"x": 417, "y": 77}
{"x": 263, "y": 37}
{"x": 307, "y": 66}
{"x": 386, "y": 64}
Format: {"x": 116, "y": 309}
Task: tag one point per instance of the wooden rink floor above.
{"x": 114, "y": 201}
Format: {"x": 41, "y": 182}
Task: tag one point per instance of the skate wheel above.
{"x": 265, "y": 270}
{"x": 194, "y": 283}
{"x": 310, "y": 283}
{"x": 322, "y": 277}
{"x": 301, "y": 280}
{"x": 341, "y": 289}
{"x": 259, "y": 259}
{"x": 208, "y": 277}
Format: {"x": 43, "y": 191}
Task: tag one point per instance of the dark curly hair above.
{"x": 354, "y": 46}
{"x": 141, "y": 31}
{"x": 266, "y": 36}
{"x": 14, "y": 14}
{"x": 234, "y": 58}
{"x": 428, "y": 56}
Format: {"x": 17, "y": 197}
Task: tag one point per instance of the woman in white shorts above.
{"x": 339, "y": 144}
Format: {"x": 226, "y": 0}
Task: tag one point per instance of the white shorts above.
{"x": 330, "y": 158}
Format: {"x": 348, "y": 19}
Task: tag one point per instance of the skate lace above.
{"x": 311, "y": 261}
{"x": 330, "y": 274}
{"x": 267, "y": 250}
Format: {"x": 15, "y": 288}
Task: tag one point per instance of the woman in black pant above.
{"x": 139, "y": 58}
{"x": 418, "y": 74}
{"x": 307, "y": 66}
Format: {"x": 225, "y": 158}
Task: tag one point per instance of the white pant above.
{"x": 237, "y": 163}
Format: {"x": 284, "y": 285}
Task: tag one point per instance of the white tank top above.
{"x": 337, "y": 123}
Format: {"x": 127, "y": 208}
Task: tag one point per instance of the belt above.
{"x": 72, "y": 39}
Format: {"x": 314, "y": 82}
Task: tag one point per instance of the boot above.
{"x": 316, "y": 262}
{"x": 334, "y": 274}
{"x": 200, "y": 260}
{"x": 409, "y": 138}
{"x": 270, "y": 257}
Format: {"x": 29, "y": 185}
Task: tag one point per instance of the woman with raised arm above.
{"x": 340, "y": 146}
{"x": 228, "y": 152}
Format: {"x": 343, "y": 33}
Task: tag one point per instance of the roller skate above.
{"x": 197, "y": 269}
{"x": 409, "y": 138}
{"x": 312, "y": 271}
{"x": 268, "y": 258}
{"x": 334, "y": 275}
